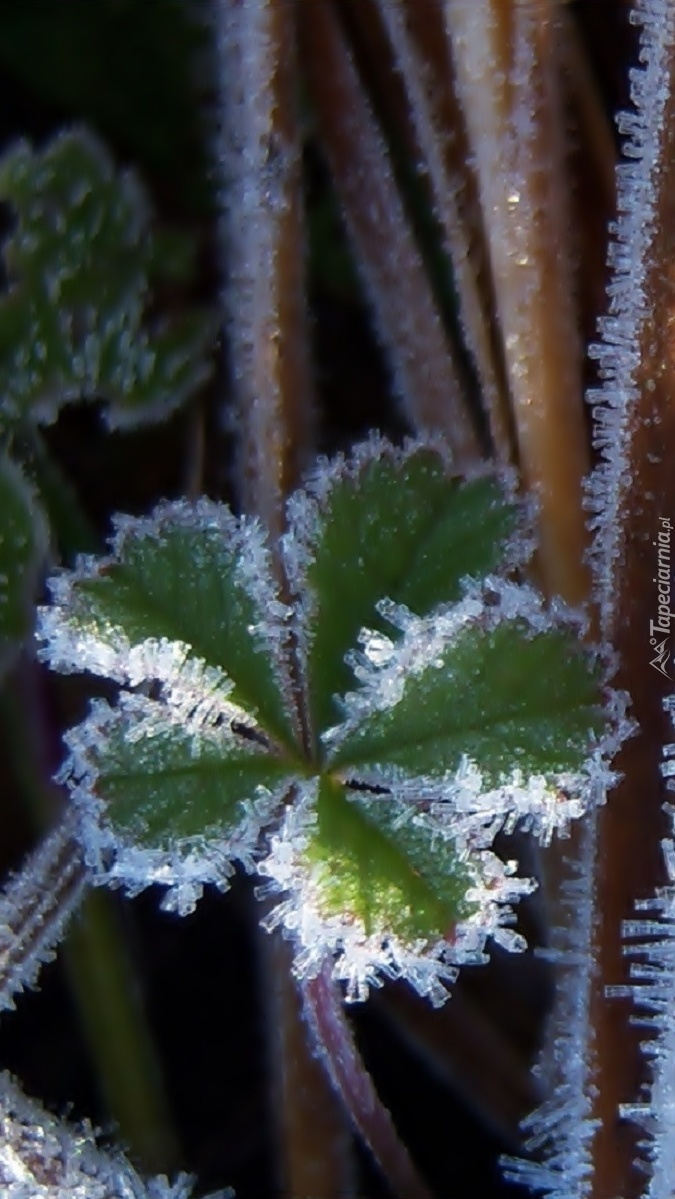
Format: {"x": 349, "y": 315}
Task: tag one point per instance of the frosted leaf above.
{"x": 35, "y": 905}
{"x": 390, "y": 895}
{"x": 162, "y": 799}
{"x": 81, "y": 260}
{"x": 23, "y": 546}
{"x": 411, "y": 530}
{"x": 186, "y": 599}
{"x": 44, "y": 1158}
{"x": 488, "y": 705}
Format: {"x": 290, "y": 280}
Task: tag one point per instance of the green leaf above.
{"x": 386, "y": 524}
{"x": 187, "y": 598}
{"x": 494, "y": 691}
{"x": 164, "y": 782}
{"x": 393, "y": 879}
{"x": 82, "y": 261}
{"x": 23, "y": 544}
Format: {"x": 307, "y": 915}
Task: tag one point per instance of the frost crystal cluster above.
{"x": 354, "y": 720}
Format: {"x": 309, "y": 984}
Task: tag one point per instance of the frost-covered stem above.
{"x": 633, "y": 493}
{"x": 96, "y": 957}
{"x": 35, "y": 907}
{"x": 416, "y": 35}
{"x": 559, "y": 1133}
{"x": 334, "y": 1042}
{"x": 258, "y": 157}
{"x": 508, "y": 85}
{"x": 426, "y": 377}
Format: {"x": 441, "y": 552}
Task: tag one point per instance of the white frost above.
{"x": 44, "y": 1158}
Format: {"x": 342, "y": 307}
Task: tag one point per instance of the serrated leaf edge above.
{"x": 541, "y": 804}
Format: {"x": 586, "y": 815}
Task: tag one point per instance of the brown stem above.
{"x": 506, "y": 73}
{"x": 268, "y": 330}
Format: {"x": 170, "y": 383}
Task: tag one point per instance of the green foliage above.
{"x": 167, "y": 780}
{"x": 480, "y": 709}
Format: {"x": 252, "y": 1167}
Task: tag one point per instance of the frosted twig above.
{"x": 422, "y": 56}
{"x": 651, "y": 950}
{"x": 311, "y": 1117}
{"x": 507, "y": 81}
{"x": 35, "y": 906}
{"x": 632, "y": 497}
{"x": 426, "y": 377}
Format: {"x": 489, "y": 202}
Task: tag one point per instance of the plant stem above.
{"x": 309, "y": 1115}
{"x": 259, "y": 155}
{"x": 259, "y": 158}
